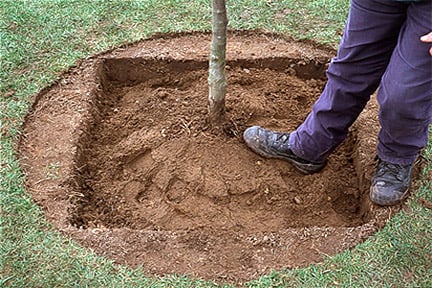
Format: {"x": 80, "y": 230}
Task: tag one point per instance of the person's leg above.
{"x": 405, "y": 99}
{"x": 354, "y": 74}
{"x": 405, "y": 94}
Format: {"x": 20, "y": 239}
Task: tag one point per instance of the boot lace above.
{"x": 282, "y": 137}
{"x": 392, "y": 171}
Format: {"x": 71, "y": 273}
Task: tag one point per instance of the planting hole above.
{"x": 142, "y": 178}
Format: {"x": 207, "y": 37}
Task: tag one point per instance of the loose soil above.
{"x": 120, "y": 156}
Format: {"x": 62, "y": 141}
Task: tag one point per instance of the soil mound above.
{"x": 120, "y": 156}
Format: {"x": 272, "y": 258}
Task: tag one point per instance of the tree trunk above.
{"x": 217, "y": 77}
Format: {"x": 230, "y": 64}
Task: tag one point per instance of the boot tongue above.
{"x": 399, "y": 172}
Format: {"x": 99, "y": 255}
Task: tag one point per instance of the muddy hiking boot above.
{"x": 271, "y": 144}
{"x": 390, "y": 183}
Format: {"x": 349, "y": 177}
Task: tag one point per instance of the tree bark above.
{"x": 217, "y": 76}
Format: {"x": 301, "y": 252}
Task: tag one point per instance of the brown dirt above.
{"x": 120, "y": 156}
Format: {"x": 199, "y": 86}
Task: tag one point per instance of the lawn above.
{"x": 41, "y": 39}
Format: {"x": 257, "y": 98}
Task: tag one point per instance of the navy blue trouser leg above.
{"x": 375, "y": 31}
{"x": 405, "y": 94}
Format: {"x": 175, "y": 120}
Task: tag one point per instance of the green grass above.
{"x": 40, "y": 39}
